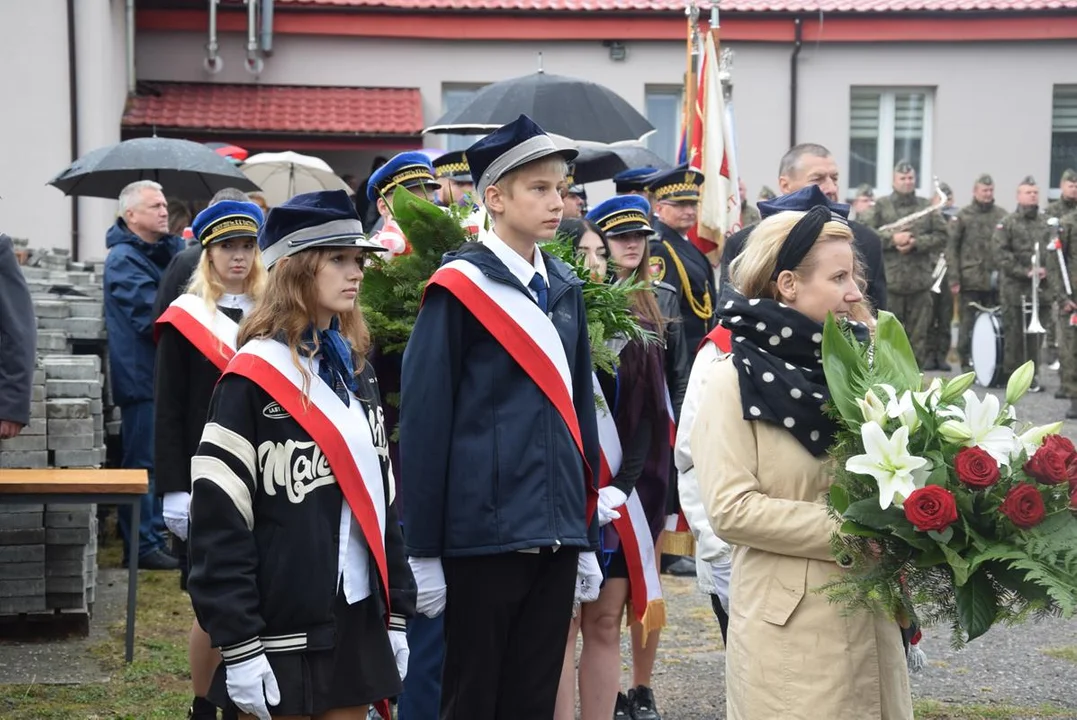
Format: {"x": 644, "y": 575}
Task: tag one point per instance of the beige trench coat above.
{"x": 791, "y": 653}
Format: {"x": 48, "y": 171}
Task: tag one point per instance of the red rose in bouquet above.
{"x": 931, "y": 508}
{"x": 1024, "y": 506}
{"x": 1054, "y": 462}
{"x": 976, "y": 468}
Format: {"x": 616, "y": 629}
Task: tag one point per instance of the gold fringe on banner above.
{"x": 654, "y": 618}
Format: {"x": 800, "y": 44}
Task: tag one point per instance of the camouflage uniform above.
{"x": 1014, "y": 241}
{"x": 941, "y": 334}
{"x": 748, "y": 215}
{"x": 1059, "y": 331}
{"x": 908, "y": 275}
{"x": 972, "y": 260}
{"x": 1067, "y": 345}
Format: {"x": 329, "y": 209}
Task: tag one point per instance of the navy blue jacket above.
{"x": 488, "y": 466}
{"x": 133, "y": 271}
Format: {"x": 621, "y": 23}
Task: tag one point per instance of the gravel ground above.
{"x": 1008, "y": 666}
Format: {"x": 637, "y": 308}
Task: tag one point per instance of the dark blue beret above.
{"x": 634, "y": 178}
{"x": 803, "y": 200}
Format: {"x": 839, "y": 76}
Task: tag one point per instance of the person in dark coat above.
{"x": 811, "y": 164}
{"x": 195, "y": 337}
{"x": 674, "y": 259}
{"x": 636, "y": 397}
{"x": 499, "y": 496}
{"x": 139, "y": 249}
{"x": 298, "y": 571}
{"x": 18, "y": 343}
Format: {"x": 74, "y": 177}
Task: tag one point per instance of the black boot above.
{"x": 641, "y": 700}
{"x": 1072, "y": 412}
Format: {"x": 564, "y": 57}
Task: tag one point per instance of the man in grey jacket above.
{"x": 18, "y": 343}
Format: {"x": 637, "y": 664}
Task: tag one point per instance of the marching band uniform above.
{"x": 676, "y": 261}
{"x": 411, "y": 171}
{"x": 297, "y": 565}
{"x": 454, "y": 174}
{"x": 499, "y": 496}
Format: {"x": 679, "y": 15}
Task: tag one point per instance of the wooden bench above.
{"x": 78, "y": 485}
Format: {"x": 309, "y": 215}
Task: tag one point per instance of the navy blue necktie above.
{"x": 539, "y": 286}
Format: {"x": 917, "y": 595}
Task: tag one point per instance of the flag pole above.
{"x": 690, "y": 81}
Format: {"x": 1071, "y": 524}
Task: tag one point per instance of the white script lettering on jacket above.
{"x": 298, "y": 467}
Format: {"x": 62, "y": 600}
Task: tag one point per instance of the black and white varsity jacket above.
{"x": 264, "y": 529}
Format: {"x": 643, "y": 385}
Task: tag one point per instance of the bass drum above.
{"x": 987, "y": 348}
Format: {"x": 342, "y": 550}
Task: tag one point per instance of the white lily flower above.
{"x": 872, "y": 408}
{"x": 889, "y": 462}
{"x": 979, "y": 419}
{"x": 1031, "y": 439}
{"x": 901, "y": 408}
{"x": 929, "y": 398}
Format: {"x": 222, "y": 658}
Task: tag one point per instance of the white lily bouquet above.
{"x": 951, "y": 511}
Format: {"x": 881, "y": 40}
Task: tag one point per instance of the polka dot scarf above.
{"x": 778, "y": 355}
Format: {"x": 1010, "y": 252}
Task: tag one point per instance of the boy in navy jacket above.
{"x": 498, "y": 440}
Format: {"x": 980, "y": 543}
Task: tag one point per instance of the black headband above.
{"x": 801, "y": 238}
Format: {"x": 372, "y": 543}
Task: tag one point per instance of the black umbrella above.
{"x": 566, "y": 106}
{"x": 602, "y": 162}
{"x": 185, "y": 169}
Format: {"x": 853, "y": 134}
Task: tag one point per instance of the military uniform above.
{"x": 675, "y": 260}
{"x": 1060, "y": 334}
{"x": 1067, "y": 345}
{"x": 1014, "y": 241}
{"x": 748, "y": 215}
{"x": 972, "y": 261}
{"x": 908, "y": 275}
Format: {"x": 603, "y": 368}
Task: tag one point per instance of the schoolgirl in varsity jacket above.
{"x": 196, "y": 337}
{"x": 297, "y": 564}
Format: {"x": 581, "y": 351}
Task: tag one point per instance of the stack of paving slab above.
{"x": 48, "y": 553}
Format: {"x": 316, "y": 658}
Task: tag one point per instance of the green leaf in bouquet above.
{"x": 845, "y": 369}
{"x": 428, "y": 228}
{"x": 868, "y": 513}
{"x": 958, "y": 564}
{"x": 839, "y": 499}
{"x": 894, "y": 359}
{"x": 930, "y": 557}
{"x": 914, "y": 538}
{"x": 977, "y": 605}
{"x": 943, "y": 537}
{"x": 854, "y": 528}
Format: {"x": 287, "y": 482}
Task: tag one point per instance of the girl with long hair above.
{"x": 635, "y": 396}
{"x": 298, "y": 571}
{"x": 196, "y": 336}
{"x": 759, "y": 443}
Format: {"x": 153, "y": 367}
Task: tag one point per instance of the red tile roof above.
{"x": 279, "y": 109}
{"x": 736, "y": 6}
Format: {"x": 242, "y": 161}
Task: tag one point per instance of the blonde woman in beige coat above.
{"x": 759, "y": 444}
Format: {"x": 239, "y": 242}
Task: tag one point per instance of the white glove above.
{"x": 399, "y": 640}
{"x": 609, "y": 499}
{"x": 588, "y": 577}
{"x": 250, "y": 684}
{"x": 721, "y": 572}
{"x": 430, "y": 579}
{"x": 177, "y": 510}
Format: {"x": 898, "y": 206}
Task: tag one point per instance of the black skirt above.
{"x": 359, "y": 670}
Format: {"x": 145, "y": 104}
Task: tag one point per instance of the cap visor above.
{"x": 234, "y": 235}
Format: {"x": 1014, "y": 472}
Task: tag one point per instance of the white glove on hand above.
{"x": 609, "y": 499}
{"x": 721, "y": 572}
{"x": 399, "y": 640}
{"x": 250, "y": 684}
{"x": 430, "y": 579}
{"x": 177, "y": 511}
{"x": 588, "y": 577}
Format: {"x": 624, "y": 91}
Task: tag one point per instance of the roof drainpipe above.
{"x": 73, "y": 101}
{"x": 253, "y": 62}
{"x": 798, "y": 38}
{"x": 130, "y": 37}
{"x": 267, "y": 27}
{"x": 213, "y": 62}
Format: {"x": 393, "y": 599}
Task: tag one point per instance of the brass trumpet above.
{"x": 1035, "y": 327}
{"x": 939, "y": 273}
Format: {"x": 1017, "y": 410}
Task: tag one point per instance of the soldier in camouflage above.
{"x": 1066, "y": 354}
{"x": 909, "y": 256}
{"x": 1014, "y": 241}
{"x": 863, "y": 201}
{"x": 1067, "y": 308}
{"x": 749, "y": 215}
{"x": 940, "y": 335}
{"x": 972, "y": 259}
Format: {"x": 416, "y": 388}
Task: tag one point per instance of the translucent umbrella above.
{"x": 283, "y": 175}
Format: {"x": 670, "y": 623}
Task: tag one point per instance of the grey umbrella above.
{"x": 185, "y": 169}
{"x": 574, "y": 108}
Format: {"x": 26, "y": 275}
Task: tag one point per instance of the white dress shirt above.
{"x": 520, "y": 268}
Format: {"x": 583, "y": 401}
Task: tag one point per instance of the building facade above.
{"x": 956, "y": 92}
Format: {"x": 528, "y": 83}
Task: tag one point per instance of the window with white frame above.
{"x": 887, "y": 126}
{"x": 663, "y": 108}
{"x": 455, "y": 96}
{"x": 1063, "y": 133}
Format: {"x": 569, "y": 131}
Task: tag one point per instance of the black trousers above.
{"x": 506, "y": 625}
{"x": 720, "y": 613}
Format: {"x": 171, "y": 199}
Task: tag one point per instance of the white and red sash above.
{"x": 644, "y": 586}
{"x": 527, "y": 334}
{"x": 347, "y": 445}
{"x": 211, "y": 331}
